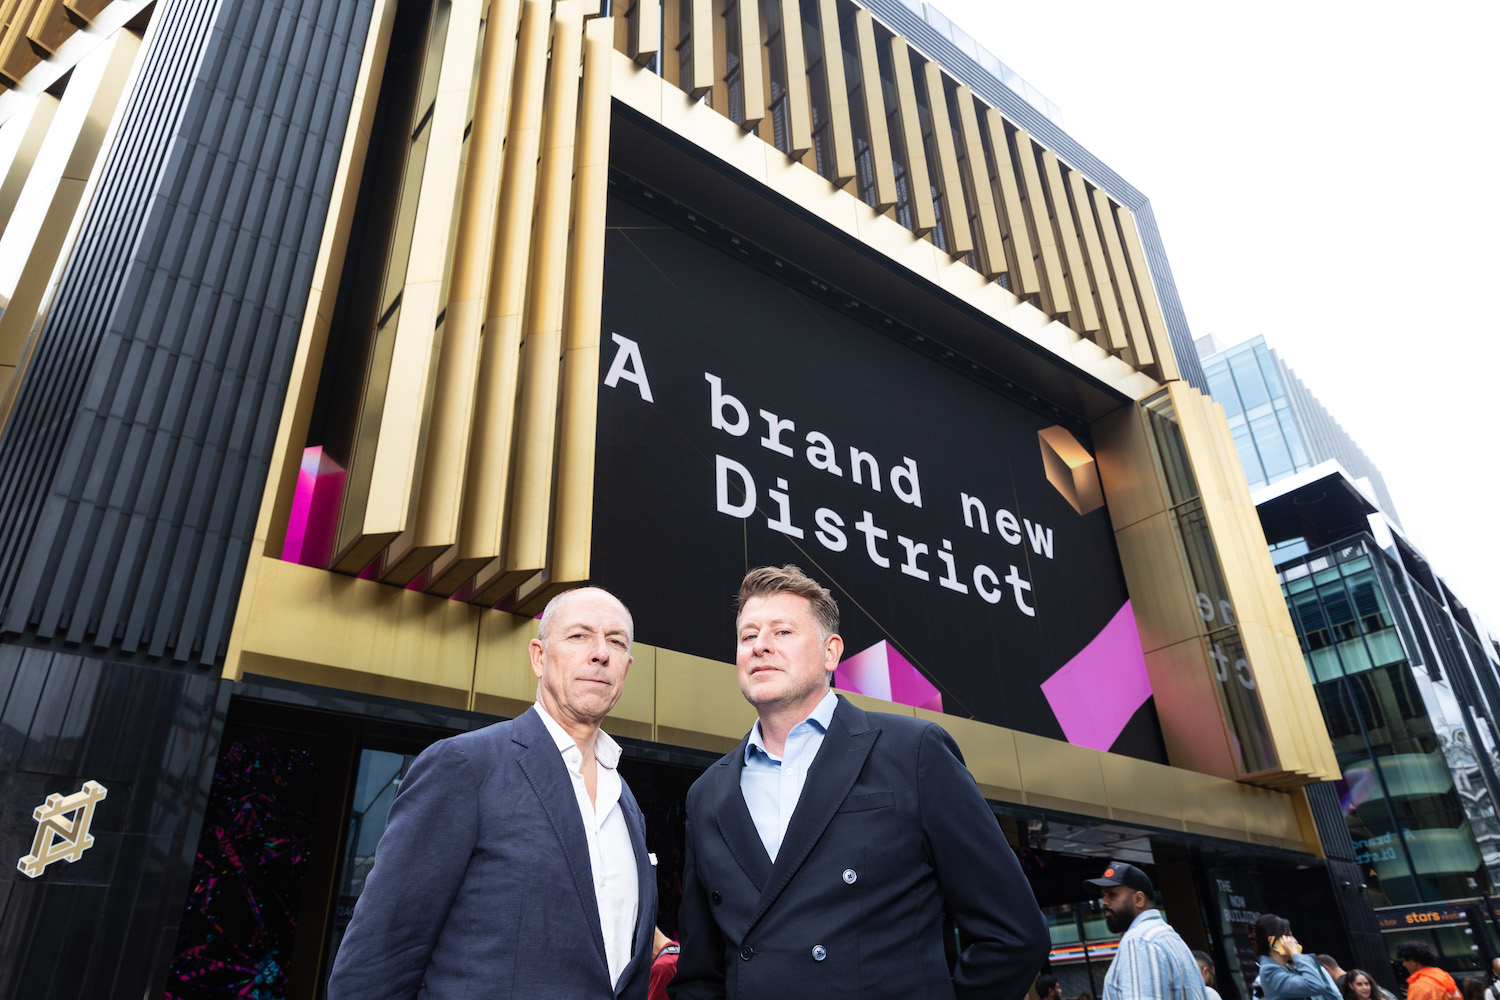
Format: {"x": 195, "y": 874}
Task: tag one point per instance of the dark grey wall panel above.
{"x": 104, "y": 925}
{"x": 132, "y": 469}
{"x": 897, "y": 16}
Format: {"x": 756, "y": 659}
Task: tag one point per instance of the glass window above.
{"x": 1221, "y": 388}
{"x": 1274, "y": 457}
{"x": 1268, "y": 370}
{"x": 1247, "y": 379}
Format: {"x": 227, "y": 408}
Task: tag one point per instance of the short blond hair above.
{"x": 765, "y": 581}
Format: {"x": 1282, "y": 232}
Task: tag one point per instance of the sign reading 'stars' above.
{"x": 743, "y": 423}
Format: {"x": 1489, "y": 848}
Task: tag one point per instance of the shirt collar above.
{"x": 820, "y": 717}
{"x": 606, "y": 750}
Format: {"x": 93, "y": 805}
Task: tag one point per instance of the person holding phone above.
{"x": 1285, "y": 972}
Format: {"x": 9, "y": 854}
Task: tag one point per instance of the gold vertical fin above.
{"x": 16, "y": 54}
{"x": 98, "y": 103}
{"x": 20, "y": 165}
{"x": 752, "y": 63}
{"x": 951, "y": 186}
{"x": 436, "y": 519}
{"x": 1054, "y": 290}
{"x": 671, "y": 40}
{"x": 989, "y": 243}
{"x": 572, "y": 533}
{"x": 914, "y": 155}
{"x": 836, "y": 100}
{"x": 875, "y": 119}
{"x": 798, "y": 102}
{"x": 1085, "y": 318}
{"x": 406, "y": 411}
{"x": 1159, "y": 347}
{"x": 486, "y": 484}
{"x": 531, "y": 483}
{"x": 1105, "y": 300}
{"x": 49, "y": 28}
{"x": 645, "y": 35}
{"x": 701, "y": 36}
{"x": 1124, "y": 286}
{"x": 719, "y": 23}
{"x": 1019, "y": 253}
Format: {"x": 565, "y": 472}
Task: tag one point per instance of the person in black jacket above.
{"x": 824, "y": 851}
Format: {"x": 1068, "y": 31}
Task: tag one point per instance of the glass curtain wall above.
{"x": 1416, "y": 769}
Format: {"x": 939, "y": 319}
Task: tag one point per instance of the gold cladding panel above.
{"x": 14, "y": 180}
{"x": 1119, "y": 266}
{"x": 839, "y": 124}
{"x": 701, "y": 32}
{"x": 1140, "y": 791}
{"x": 307, "y": 624}
{"x": 1187, "y": 706}
{"x": 752, "y": 63}
{"x": 1019, "y": 255}
{"x": 990, "y": 244}
{"x": 1054, "y": 292}
{"x": 1210, "y": 805}
{"x": 1086, "y": 317}
{"x": 913, "y": 153}
{"x": 1098, "y": 266}
{"x": 698, "y": 702}
{"x": 951, "y": 190}
{"x": 1127, "y": 466}
{"x": 798, "y": 101}
{"x": 1058, "y": 775}
{"x": 873, "y": 92}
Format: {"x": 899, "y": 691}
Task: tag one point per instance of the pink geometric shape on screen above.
{"x": 883, "y": 673}
{"x": 1095, "y": 693}
{"x": 315, "y": 510}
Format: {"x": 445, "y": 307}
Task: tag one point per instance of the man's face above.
{"x": 782, "y": 660}
{"x": 1121, "y": 904}
{"x": 1055, "y": 993}
{"x": 581, "y": 668}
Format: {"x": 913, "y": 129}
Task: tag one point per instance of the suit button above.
{"x": 850, "y": 875}
{"x": 716, "y": 897}
{"x": 819, "y": 953}
{"x": 747, "y": 953}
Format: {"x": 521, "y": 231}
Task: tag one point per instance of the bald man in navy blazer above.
{"x": 825, "y": 851}
{"x": 514, "y": 863}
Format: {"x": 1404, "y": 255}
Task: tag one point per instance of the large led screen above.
{"x": 744, "y": 421}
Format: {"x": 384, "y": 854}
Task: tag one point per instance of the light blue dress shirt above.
{"x": 771, "y": 784}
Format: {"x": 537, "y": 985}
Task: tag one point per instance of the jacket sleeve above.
{"x": 700, "y": 964}
{"x": 1001, "y": 926}
{"x": 1303, "y": 978}
{"x": 419, "y": 865}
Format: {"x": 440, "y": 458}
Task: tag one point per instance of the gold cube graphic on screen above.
{"x": 1070, "y": 469}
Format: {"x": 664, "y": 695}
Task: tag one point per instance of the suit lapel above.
{"x": 735, "y": 824}
{"x": 833, "y": 773}
{"x": 544, "y": 768}
{"x": 645, "y": 922}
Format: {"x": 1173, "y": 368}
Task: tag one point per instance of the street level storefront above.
{"x": 466, "y": 304}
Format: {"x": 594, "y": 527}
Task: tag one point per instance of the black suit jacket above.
{"x": 889, "y": 835}
{"x": 482, "y": 884}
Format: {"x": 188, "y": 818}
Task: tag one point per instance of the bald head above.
{"x": 559, "y": 603}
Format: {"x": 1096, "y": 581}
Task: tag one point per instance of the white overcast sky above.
{"x": 1322, "y": 173}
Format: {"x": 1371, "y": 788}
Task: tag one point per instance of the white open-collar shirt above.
{"x": 611, "y": 858}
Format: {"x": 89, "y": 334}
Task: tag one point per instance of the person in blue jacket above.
{"x": 1285, "y": 972}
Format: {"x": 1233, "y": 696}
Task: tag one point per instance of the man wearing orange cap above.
{"x": 1152, "y": 961}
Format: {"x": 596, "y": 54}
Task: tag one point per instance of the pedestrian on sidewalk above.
{"x": 1285, "y": 972}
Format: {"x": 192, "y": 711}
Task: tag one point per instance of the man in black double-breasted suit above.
{"x": 824, "y": 852}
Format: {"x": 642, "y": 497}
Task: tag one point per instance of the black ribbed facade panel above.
{"x": 133, "y": 466}
{"x": 1328, "y": 816}
{"x": 900, "y": 18}
{"x": 102, "y": 925}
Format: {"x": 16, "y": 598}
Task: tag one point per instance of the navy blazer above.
{"x": 482, "y": 885}
{"x": 890, "y": 834}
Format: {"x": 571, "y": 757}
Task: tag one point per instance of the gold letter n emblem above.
{"x": 59, "y": 835}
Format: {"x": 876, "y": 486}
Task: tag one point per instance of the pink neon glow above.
{"x": 1096, "y": 692}
{"x": 315, "y": 510}
{"x": 881, "y": 672}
